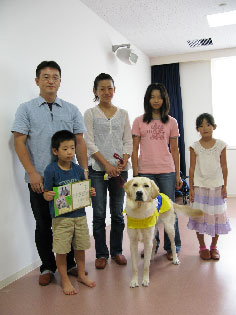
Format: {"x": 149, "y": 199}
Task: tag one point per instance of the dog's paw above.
{"x": 134, "y": 283}
{"x": 176, "y": 261}
{"x": 145, "y": 282}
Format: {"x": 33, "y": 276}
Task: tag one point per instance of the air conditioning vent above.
{"x": 200, "y": 42}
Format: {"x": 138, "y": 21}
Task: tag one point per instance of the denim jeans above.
{"x": 166, "y": 183}
{"x": 43, "y": 233}
{"x": 99, "y": 203}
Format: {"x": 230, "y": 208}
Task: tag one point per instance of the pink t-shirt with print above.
{"x": 155, "y": 157}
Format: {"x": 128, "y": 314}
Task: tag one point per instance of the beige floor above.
{"x": 194, "y": 287}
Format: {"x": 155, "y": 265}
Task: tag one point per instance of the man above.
{"x": 35, "y": 123}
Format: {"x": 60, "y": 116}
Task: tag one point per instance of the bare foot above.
{"x": 68, "y": 288}
{"x": 89, "y": 283}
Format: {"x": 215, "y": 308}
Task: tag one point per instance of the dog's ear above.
{"x": 155, "y": 189}
{"x": 127, "y": 187}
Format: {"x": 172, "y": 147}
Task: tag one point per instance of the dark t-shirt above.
{"x": 54, "y": 176}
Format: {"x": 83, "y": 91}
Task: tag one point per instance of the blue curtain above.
{"x": 169, "y": 76}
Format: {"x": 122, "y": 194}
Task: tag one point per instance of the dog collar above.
{"x": 134, "y": 223}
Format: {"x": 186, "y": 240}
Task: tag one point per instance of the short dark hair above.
{"x": 100, "y": 77}
{"x": 209, "y": 118}
{"x": 45, "y": 64}
{"x": 165, "y": 108}
{"x": 61, "y": 136}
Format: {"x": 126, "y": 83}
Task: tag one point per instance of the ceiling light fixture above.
{"x": 125, "y": 54}
{"x": 222, "y": 19}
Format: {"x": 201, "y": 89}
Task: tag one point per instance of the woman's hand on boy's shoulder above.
{"x": 92, "y": 192}
{"x": 49, "y": 195}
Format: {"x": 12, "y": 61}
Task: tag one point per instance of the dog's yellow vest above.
{"x": 163, "y": 205}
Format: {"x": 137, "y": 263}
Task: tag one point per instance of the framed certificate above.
{"x": 71, "y": 197}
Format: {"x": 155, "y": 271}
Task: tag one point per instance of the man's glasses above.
{"x": 48, "y": 78}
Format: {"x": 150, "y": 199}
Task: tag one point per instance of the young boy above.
{"x": 69, "y": 228}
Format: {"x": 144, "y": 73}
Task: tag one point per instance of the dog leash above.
{"x": 119, "y": 179}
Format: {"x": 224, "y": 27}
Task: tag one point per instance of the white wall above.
{"x": 195, "y": 78}
{"x": 71, "y": 34}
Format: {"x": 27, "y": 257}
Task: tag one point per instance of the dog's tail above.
{"x": 187, "y": 211}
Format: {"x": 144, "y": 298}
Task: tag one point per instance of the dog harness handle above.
{"x": 162, "y": 203}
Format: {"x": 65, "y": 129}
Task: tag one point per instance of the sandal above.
{"x": 214, "y": 253}
{"x": 204, "y": 253}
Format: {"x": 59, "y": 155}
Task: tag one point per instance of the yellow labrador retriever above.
{"x": 142, "y": 215}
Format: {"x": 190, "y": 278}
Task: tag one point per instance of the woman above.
{"x": 153, "y": 133}
{"x": 108, "y": 132}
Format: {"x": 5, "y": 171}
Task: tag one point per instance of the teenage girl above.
{"x": 108, "y": 132}
{"x": 208, "y": 180}
{"x": 152, "y": 133}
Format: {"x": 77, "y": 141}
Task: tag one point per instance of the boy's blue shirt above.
{"x": 54, "y": 176}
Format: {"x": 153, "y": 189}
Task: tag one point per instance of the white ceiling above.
{"x": 162, "y": 27}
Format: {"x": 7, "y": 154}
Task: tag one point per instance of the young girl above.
{"x": 108, "y": 132}
{"x": 208, "y": 180}
{"x": 152, "y": 133}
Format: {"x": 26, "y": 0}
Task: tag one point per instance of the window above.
{"x": 223, "y": 71}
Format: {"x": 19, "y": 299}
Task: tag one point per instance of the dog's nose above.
{"x": 139, "y": 195}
